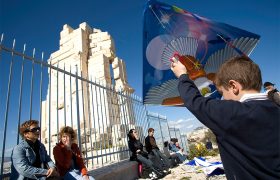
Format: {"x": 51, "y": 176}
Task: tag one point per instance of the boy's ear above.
{"x": 235, "y": 86}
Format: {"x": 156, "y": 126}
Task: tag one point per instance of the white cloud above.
{"x": 185, "y": 125}
{"x": 190, "y": 126}
{"x": 180, "y": 122}
{"x": 185, "y": 120}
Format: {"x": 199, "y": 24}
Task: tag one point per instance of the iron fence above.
{"x": 61, "y": 95}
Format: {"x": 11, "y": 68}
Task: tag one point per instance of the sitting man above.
{"x": 152, "y": 148}
{"x": 29, "y": 158}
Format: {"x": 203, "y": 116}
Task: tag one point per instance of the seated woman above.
{"x": 178, "y": 152}
{"x": 68, "y": 158}
{"x": 171, "y": 155}
{"x": 138, "y": 154}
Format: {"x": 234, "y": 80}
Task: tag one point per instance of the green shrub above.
{"x": 199, "y": 150}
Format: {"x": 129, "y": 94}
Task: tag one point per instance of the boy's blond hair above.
{"x": 241, "y": 69}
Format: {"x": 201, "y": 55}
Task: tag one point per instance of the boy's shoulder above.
{"x": 247, "y": 108}
{"x": 261, "y": 107}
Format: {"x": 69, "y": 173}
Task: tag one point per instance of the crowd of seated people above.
{"x": 30, "y": 159}
{"x": 153, "y": 158}
{"x": 138, "y": 154}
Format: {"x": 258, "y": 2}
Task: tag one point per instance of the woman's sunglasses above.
{"x": 36, "y": 129}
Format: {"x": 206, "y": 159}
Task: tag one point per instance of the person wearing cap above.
{"x": 29, "y": 158}
{"x": 272, "y": 93}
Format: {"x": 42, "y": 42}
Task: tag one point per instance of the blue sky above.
{"x": 38, "y": 24}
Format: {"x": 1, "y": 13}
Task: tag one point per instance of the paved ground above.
{"x": 184, "y": 172}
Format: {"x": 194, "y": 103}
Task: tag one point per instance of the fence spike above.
{"x": 33, "y": 54}
{"x": 2, "y": 37}
{"x": 24, "y": 48}
{"x": 14, "y": 43}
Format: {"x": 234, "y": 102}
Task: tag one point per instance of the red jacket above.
{"x": 63, "y": 158}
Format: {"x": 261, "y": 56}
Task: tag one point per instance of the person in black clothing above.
{"x": 208, "y": 144}
{"x": 272, "y": 93}
{"x": 138, "y": 154}
{"x": 152, "y": 148}
{"x": 246, "y": 123}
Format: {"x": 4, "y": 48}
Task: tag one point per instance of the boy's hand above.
{"x": 178, "y": 68}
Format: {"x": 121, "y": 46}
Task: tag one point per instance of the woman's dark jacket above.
{"x": 135, "y": 145}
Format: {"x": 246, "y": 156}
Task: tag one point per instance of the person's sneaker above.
{"x": 153, "y": 175}
{"x": 167, "y": 171}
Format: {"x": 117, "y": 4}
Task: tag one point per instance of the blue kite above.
{"x": 202, "y": 45}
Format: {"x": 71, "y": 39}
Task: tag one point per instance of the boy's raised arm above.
{"x": 211, "y": 112}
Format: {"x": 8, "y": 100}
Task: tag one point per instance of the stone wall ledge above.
{"x": 126, "y": 169}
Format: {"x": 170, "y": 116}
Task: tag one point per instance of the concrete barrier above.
{"x": 127, "y": 170}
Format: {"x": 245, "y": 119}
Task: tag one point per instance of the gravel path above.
{"x": 184, "y": 172}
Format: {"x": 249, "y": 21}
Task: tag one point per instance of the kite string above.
{"x": 232, "y": 46}
{"x": 156, "y": 16}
